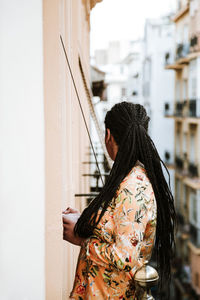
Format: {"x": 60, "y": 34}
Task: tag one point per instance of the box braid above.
{"x": 128, "y": 123}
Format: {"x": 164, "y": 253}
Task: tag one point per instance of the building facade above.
{"x": 158, "y": 83}
{"x": 43, "y": 142}
{"x": 184, "y": 59}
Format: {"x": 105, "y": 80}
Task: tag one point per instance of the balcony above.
{"x": 180, "y": 219}
{"x": 168, "y": 109}
{"x": 183, "y": 225}
{"x": 195, "y": 43}
{"x": 193, "y": 170}
{"x": 170, "y": 62}
{"x": 195, "y": 235}
{"x": 168, "y": 58}
{"x": 187, "y": 108}
{"x": 182, "y": 11}
{"x": 177, "y": 61}
{"x": 179, "y": 163}
{"x": 182, "y": 50}
{"x": 179, "y": 108}
{"x": 194, "y": 108}
{"x": 168, "y": 159}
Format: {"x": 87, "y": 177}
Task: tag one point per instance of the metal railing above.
{"x": 179, "y": 162}
{"x": 182, "y": 50}
{"x": 168, "y": 109}
{"x": 174, "y": 110}
{"x": 168, "y": 158}
{"x": 179, "y": 106}
{"x": 193, "y": 170}
{"x": 188, "y": 108}
{"x": 195, "y": 235}
{"x": 194, "y": 43}
{"x": 169, "y": 58}
{"x": 194, "y": 108}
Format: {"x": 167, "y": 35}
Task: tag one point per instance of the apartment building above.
{"x": 158, "y": 85}
{"x": 184, "y": 59}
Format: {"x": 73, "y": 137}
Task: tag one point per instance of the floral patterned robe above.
{"x": 123, "y": 240}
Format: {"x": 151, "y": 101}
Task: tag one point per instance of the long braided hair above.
{"x": 128, "y": 123}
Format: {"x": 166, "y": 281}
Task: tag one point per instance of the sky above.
{"x": 124, "y": 19}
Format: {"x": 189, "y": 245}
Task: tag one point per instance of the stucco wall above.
{"x": 66, "y": 142}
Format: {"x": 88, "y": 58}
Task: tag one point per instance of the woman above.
{"x": 133, "y": 215}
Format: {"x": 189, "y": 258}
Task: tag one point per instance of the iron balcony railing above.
{"x": 168, "y": 158}
{"x": 179, "y": 162}
{"x": 169, "y": 58}
{"x": 188, "y": 108}
{"x": 168, "y": 109}
{"x": 194, "y": 108}
{"x": 182, "y": 50}
{"x": 180, "y": 219}
{"x": 193, "y": 170}
{"x": 195, "y": 235}
{"x": 195, "y": 43}
{"x": 175, "y": 110}
{"x": 179, "y": 109}
{"x": 183, "y": 224}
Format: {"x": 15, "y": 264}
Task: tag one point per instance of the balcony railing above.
{"x": 180, "y": 219}
{"x": 168, "y": 158}
{"x": 188, "y": 108}
{"x": 179, "y": 162}
{"x": 175, "y": 60}
{"x": 195, "y": 235}
{"x": 195, "y": 43}
{"x": 182, "y": 50}
{"x": 169, "y": 59}
{"x": 193, "y": 170}
{"x": 168, "y": 109}
{"x": 194, "y": 108}
{"x": 183, "y": 224}
{"x": 179, "y": 108}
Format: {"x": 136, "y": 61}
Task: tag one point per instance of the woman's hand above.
{"x": 70, "y": 217}
{"x": 70, "y": 210}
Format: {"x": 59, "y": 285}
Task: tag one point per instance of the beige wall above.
{"x": 194, "y": 17}
{"x": 66, "y": 142}
{"x": 184, "y": 21}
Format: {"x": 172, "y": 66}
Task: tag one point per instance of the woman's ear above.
{"x": 107, "y": 135}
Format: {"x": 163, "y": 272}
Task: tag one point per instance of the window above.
{"x": 178, "y": 90}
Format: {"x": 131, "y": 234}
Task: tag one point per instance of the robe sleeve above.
{"x": 132, "y": 216}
